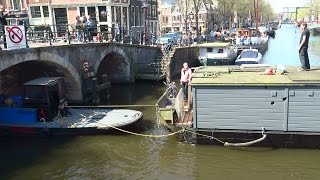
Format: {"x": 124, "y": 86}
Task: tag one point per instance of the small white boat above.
{"x": 217, "y": 53}
{"x": 249, "y": 56}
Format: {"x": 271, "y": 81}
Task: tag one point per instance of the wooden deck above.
{"x": 187, "y": 120}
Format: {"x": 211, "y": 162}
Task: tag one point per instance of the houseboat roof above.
{"x": 43, "y": 81}
{"x": 252, "y": 76}
{"x": 215, "y": 44}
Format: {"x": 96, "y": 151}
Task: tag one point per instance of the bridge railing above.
{"x": 70, "y": 33}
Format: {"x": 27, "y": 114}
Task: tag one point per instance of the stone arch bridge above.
{"x": 115, "y": 60}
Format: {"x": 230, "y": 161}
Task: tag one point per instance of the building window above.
{"x": 154, "y": 14}
{"x": 132, "y": 16}
{"x": 149, "y": 11}
{"x": 45, "y": 11}
{"x": 209, "y": 49}
{"x": 35, "y": 12}
{"x": 16, "y": 4}
{"x": 82, "y": 11}
{"x": 92, "y": 13}
{"x": 137, "y": 17}
{"x": 118, "y": 16}
{"x": 102, "y": 13}
{"x": 124, "y": 17}
{"x": 112, "y": 14}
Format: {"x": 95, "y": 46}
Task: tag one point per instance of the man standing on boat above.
{"x": 303, "y": 48}
{"x": 185, "y": 79}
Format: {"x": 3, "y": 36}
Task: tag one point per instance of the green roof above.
{"x": 215, "y": 44}
{"x": 236, "y": 76}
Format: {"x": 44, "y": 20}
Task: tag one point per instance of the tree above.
{"x": 315, "y": 9}
{"x": 196, "y": 6}
{"x": 185, "y": 10}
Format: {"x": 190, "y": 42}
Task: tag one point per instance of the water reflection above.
{"x": 283, "y": 49}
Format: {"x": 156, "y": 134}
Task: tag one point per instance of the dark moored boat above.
{"x": 43, "y": 109}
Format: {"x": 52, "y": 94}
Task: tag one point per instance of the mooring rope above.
{"x": 231, "y": 144}
{"x": 115, "y": 106}
{"x": 143, "y": 135}
{"x": 137, "y": 134}
{"x": 211, "y": 137}
{"x": 246, "y": 143}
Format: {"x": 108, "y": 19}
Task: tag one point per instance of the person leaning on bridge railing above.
{"x": 3, "y": 22}
{"x": 90, "y": 29}
{"x": 79, "y": 29}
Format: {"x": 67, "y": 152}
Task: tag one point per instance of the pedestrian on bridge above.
{"x": 3, "y": 22}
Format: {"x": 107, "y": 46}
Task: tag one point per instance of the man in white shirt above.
{"x": 185, "y": 79}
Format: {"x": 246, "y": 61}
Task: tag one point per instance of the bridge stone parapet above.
{"x": 115, "y": 60}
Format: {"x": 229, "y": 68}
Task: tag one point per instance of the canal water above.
{"x": 133, "y": 157}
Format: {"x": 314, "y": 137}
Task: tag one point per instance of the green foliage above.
{"x": 43, "y": 27}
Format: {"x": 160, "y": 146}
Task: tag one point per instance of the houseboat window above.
{"x": 209, "y": 49}
{"x": 35, "y": 93}
{"x": 220, "y": 51}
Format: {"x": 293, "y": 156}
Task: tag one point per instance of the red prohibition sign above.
{"x": 15, "y": 34}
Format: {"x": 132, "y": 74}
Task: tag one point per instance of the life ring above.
{"x": 43, "y": 119}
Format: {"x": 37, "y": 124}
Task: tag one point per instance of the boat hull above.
{"x": 81, "y": 122}
{"x": 220, "y": 61}
{"x": 276, "y": 139}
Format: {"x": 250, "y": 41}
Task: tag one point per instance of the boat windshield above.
{"x": 249, "y": 54}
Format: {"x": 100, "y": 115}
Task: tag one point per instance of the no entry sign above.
{"x": 15, "y": 37}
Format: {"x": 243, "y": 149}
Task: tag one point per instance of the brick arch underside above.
{"x": 114, "y": 63}
{"x": 17, "y": 73}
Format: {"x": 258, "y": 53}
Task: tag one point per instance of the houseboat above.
{"x": 239, "y": 106}
{"x": 251, "y": 38}
{"x": 217, "y": 53}
{"x": 43, "y": 110}
{"x": 249, "y": 56}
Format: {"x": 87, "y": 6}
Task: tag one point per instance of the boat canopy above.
{"x": 43, "y": 81}
{"x": 249, "y": 54}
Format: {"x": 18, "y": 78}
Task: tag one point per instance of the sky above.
{"x": 278, "y": 5}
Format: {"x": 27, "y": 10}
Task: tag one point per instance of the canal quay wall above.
{"x": 180, "y": 56}
{"x": 115, "y": 60}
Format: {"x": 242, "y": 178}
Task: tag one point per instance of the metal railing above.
{"x": 70, "y": 33}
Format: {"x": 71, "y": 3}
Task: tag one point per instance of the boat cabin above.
{"x": 216, "y": 53}
{"x": 231, "y": 98}
{"x": 45, "y": 94}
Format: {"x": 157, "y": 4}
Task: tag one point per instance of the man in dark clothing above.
{"x": 3, "y": 22}
{"x": 303, "y": 48}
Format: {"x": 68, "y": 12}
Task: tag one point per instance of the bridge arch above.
{"x": 115, "y": 63}
{"x": 45, "y": 64}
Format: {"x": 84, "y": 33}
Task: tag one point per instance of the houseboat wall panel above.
{"x": 304, "y": 109}
{"x": 240, "y": 108}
